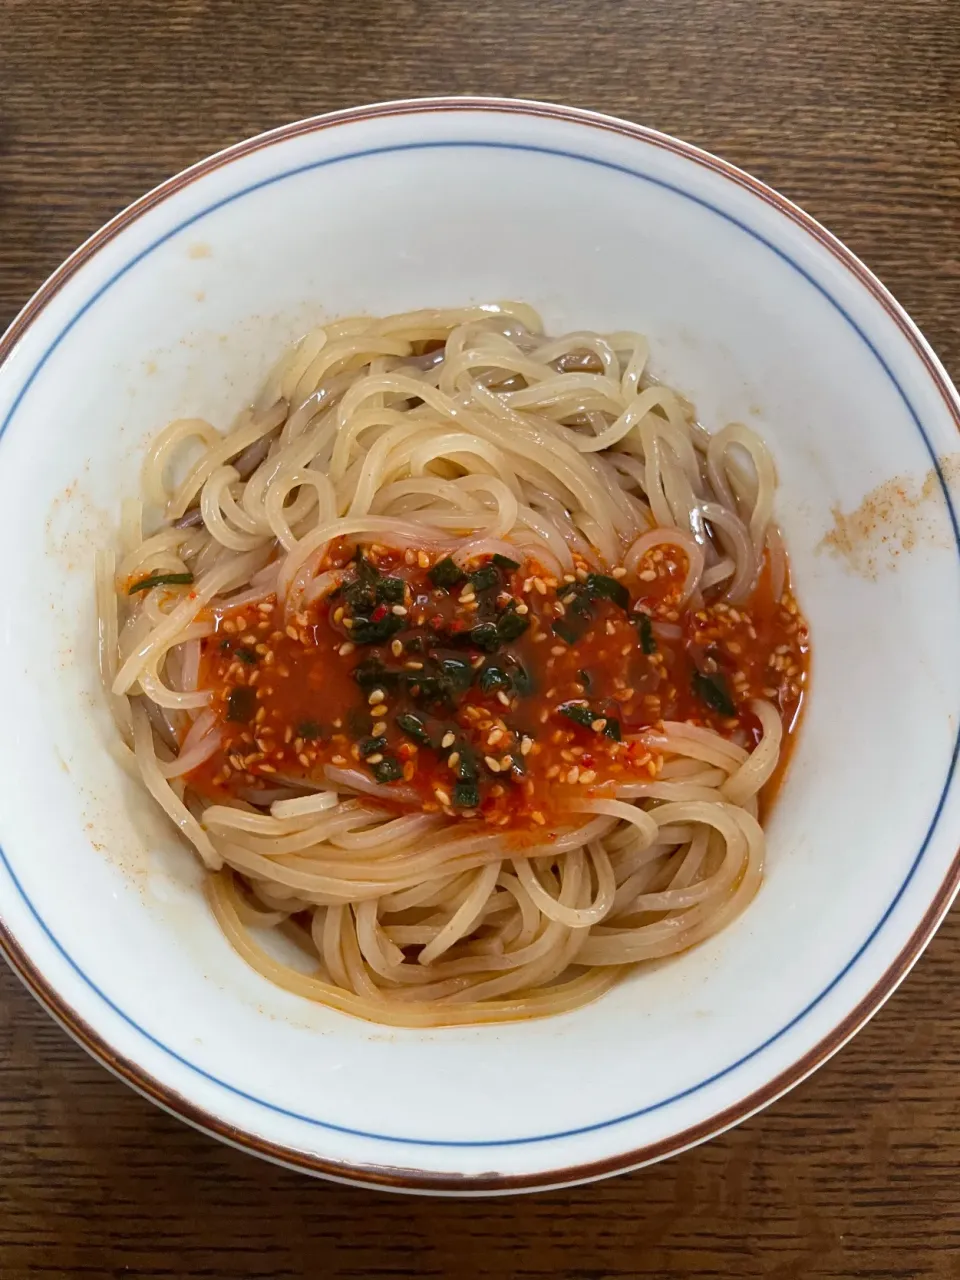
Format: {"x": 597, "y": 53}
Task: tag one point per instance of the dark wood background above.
{"x": 850, "y": 107}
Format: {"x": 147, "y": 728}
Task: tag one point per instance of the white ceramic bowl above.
{"x": 178, "y": 307}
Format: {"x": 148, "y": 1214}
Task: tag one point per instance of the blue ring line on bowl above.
{"x": 412, "y": 1177}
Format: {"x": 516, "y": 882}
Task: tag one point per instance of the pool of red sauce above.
{"x": 300, "y": 706}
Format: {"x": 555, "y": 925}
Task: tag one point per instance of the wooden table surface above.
{"x": 850, "y": 108}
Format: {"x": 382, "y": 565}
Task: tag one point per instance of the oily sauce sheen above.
{"x": 495, "y": 693}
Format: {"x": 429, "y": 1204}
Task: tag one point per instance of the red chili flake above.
{"x": 436, "y": 622}
{"x": 379, "y": 613}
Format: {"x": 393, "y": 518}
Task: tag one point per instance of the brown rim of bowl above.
{"x": 398, "y": 1178}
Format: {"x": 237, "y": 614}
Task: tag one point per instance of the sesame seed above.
{"x": 241, "y": 622}
{"x": 523, "y": 608}
{"x": 377, "y": 696}
{"x": 573, "y": 774}
{"x": 413, "y": 666}
{"x": 568, "y": 577}
{"x": 304, "y": 759}
{"x": 506, "y": 762}
{"x": 448, "y": 740}
{"x": 400, "y": 610}
{"x": 288, "y": 734}
{"x": 610, "y": 628}
{"x": 588, "y": 776}
{"x": 346, "y": 648}
{"x": 409, "y": 769}
{"x": 338, "y": 613}
{"x": 558, "y": 650}
{"x": 503, "y": 698}
{"x": 494, "y": 737}
{"x": 648, "y": 575}
{"x": 598, "y": 726}
{"x": 492, "y": 765}
{"x": 338, "y": 760}
{"x": 229, "y": 626}
{"x": 375, "y": 758}
{"x": 378, "y": 711}
{"x": 292, "y": 633}
{"x": 540, "y": 585}
{"x": 265, "y": 606}
{"x": 525, "y": 745}
{"x": 619, "y": 572}
{"x": 423, "y": 560}
{"x": 378, "y": 728}
{"x": 250, "y": 638}
{"x": 453, "y": 759}
{"x": 466, "y": 597}
{"x": 538, "y": 818}
{"x": 409, "y": 557}
{"x": 396, "y": 648}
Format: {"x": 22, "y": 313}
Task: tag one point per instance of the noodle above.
{"x": 574, "y": 596}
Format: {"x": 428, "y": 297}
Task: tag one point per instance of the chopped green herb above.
{"x": 504, "y": 562}
{"x": 612, "y": 729}
{"x": 599, "y": 585}
{"x": 486, "y": 635}
{"x": 491, "y": 677}
{"x": 370, "y": 746}
{"x": 445, "y": 574}
{"x": 161, "y": 580}
{"x": 415, "y": 728}
{"x": 563, "y": 631}
{"x": 713, "y": 691}
{"x": 578, "y": 712}
{"x": 485, "y": 578}
{"x": 247, "y": 656}
{"x": 387, "y": 770}
{"x": 371, "y": 672}
{"x": 390, "y": 590}
{"x": 366, "y": 631}
{"x": 467, "y": 765}
{"x": 241, "y": 704}
{"x": 578, "y": 601}
{"x": 585, "y": 679}
{"x": 309, "y": 730}
{"x": 522, "y": 681}
{"x": 511, "y": 625}
{"x": 645, "y": 627}
{"x": 225, "y": 644}
{"x": 466, "y": 795}
{"x": 457, "y": 673}
{"x": 414, "y": 644}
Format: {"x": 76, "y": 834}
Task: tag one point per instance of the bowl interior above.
{"x": 752, "y": 318}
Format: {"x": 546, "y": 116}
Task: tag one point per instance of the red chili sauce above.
{"x": 498, "y": 693}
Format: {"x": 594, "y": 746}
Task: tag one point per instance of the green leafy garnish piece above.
{"x": 466, "y": 795}
{"x": 247, "y": 656}
{"x": 565, "y": 632}
{"x": 585, "y": 679}
{"x": 599, "y": 585}
{"x": 370, "y": 746}
{"x": 713, "y": 691}
{"x": 387, "y": 770}
{"x": 485, "y": 578}
{"x": 371, "y": 672}
{"x": 366, "y": 631}
{"x": 612, "y": 729}
{"x": 161, "y": 580}
{"x": 241, "y": 704}
{"x": 456, "y": 673}
{"x": 415, "y": 728}
{"x": 522, "y": 681}
{"x": 467, "y": 765}
{"x": 504, "y": 562}
{"x": 511, "y": 625}
{"x": 578, "y": 712}
{"x": 490, "y": 678}
{"x": 487, "y": 635}
{"x": 390, "y": 590}
{"x": 309, "y": 730}
{"x": 645, "y": 628}
{"x": 445, "y": 574}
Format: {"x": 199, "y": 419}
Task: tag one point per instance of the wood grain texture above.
{"x": 851, "y": 109}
